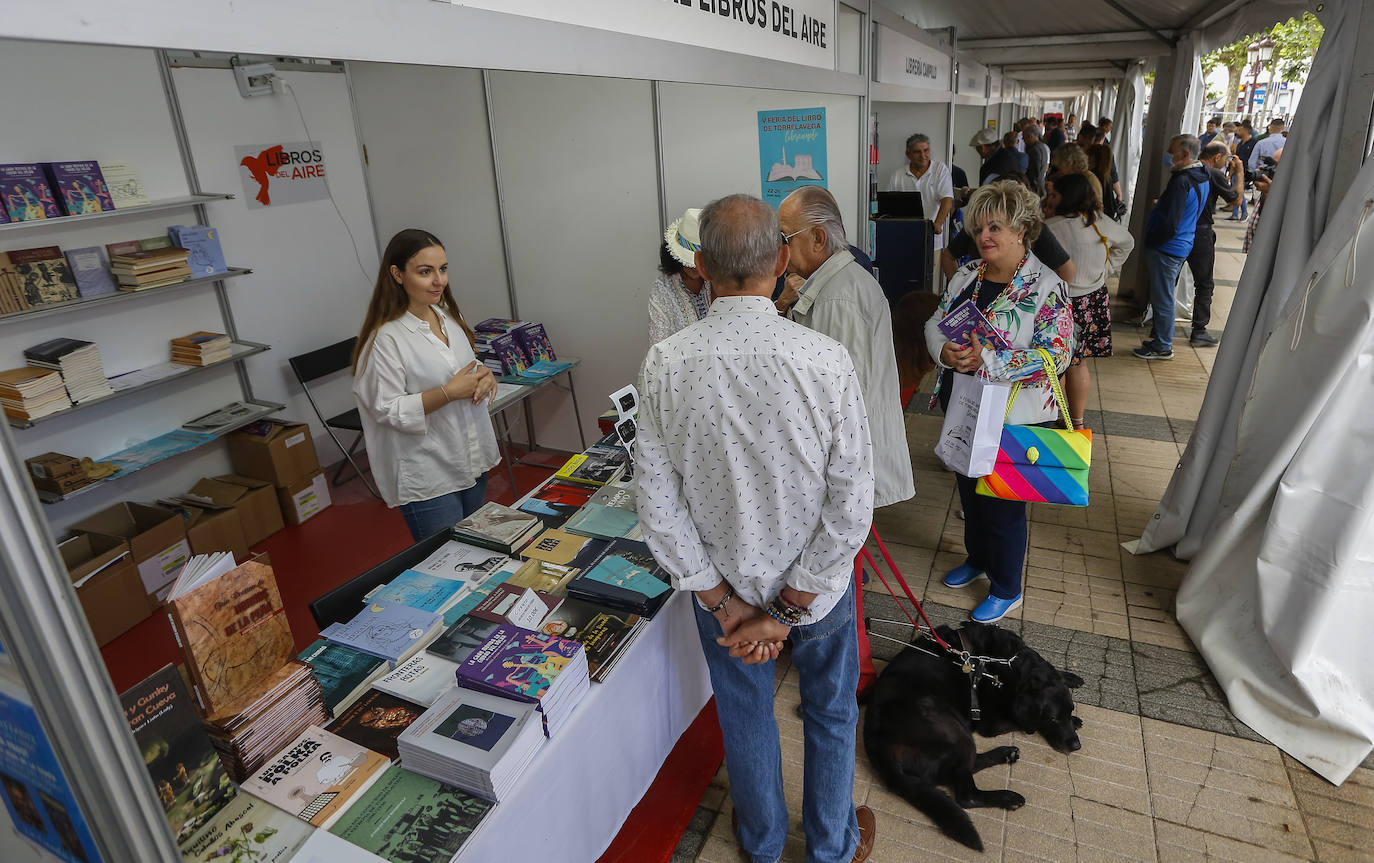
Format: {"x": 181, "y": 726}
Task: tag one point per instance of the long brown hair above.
{"x": 1100, "y": 163}
{"x": 389, "y": 300}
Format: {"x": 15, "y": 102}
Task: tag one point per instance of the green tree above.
{"x": 1233, "y": 59}
{"x": 1295, "y": 43}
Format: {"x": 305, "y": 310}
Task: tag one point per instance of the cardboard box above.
{"x": 156, "y": 537}
{"x": 211, "y": 527}
{"x": 305, "y": 499}
{"x": 284, "y": 457}
{"x": 255, "y": 501}
{"x": 107, "y": 584}
{"x": 53, "y": 465}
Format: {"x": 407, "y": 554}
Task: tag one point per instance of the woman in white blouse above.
{"x": 1099, "y": 247}
{"x": 421, "y": 393}
{"x": 680, "y": 296}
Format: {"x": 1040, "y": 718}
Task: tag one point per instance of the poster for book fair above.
{"x": 791, "y": 151}
{"x": 276, "y": 174}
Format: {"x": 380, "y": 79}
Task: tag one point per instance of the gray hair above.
{"x": 917, "y": 138}
{"x": 1191, "y": 145}
{"x": 816, "y": 207}
{"x": 739, "y": 239}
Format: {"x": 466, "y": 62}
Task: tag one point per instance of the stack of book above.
{"x": 532, "y": 667}
{"x": 597, "y": 466}
{"x": 201, "y": 349}
{"x": 29, "y": 393}
{"x": 477, "y": 742}
{"x": 498, "y": 527}
{"x": 248, "y": 733}
{"x": 140, "y": 270}
{"x": 78, "y": 362}
{"x": 388, "y": 631}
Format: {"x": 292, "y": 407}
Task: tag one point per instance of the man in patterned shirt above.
{"x": 755, "y": 492}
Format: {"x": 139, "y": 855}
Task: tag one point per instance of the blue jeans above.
{"x": 826, "y": 656}
{"x": 1164, "y": 269}
{"x": 427, "y": 517}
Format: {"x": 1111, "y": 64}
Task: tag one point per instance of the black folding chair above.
{"x": 321, "y": 363}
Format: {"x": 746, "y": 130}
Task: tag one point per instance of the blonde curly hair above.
{"x": 1008, "y": 200}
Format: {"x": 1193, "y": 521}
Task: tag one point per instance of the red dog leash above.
{"x": 897, "y": 574}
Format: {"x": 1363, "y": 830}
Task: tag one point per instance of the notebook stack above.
{"x": 499, "y": 528}
{"x": 29, "y": 393}
{"x": 531, "y": 667}
{"x": 477, "y": 742}
{"x": 201, "y": 349}
{"x": 138, "y": 271}
{"x": 247, "y": 734}
{"x": 78, "y": 362}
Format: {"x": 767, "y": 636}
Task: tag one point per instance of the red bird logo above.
{"x": 262, "y": 167}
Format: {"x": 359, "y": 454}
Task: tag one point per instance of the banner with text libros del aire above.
{"x": 791, "y": 151}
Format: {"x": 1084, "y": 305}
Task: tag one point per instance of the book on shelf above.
{"x": 26, "y": 193}
{"x": 374, "y": 721}
{"x": 477, "y": 742}
{"x": 462, "y": 638}
{"x": 316, "y": 776}
{"x": 524, "y": 607}
{"x": 158, "y": 242}
{"x": 248, "y": 830}
{"x": 30, "y": 393}
{"x": 420, "y": 590}
{"x": 343, "y": 673}
{"x": 202, "y": 348}
{"x": 126, "y": 189}
{"x": 387, "y": 630}
{"x": 257, "y": 725}
{"x": 548, "y": 578}
{"x": 91, "y": 269}
{"x": 220, "y": 420}
{"x": 143, "y": 269}
{"x": 325, "y": 847}
{"x": 230, "y": 624}
{"x": 530, "y": 666}
{"x": 597, "y": 466}
{"x": 420, "y": 679}
{"x": 409, "y": 818}
{"x": 621, "y": 574}
{"x": 187, "y": 774}
{"x": 44, "y": 275}
{"x": 603, "y": 633}
{"x": 79, "y": 187}
{"x": 79, "y": 363}
{"x": 12, "y": 296}
{"x": 497, "y": 527}
{"x": 206, "y": 257}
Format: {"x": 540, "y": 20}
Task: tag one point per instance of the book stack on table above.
{"x": 500, "y": 528}
{"x": 28, "y": 393}
{"x": 201, "y": 349}
{"x": 532, "y": 667}
{"x": 79, "y": 364}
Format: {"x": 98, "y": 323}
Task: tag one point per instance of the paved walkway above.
{"x": 1166, "y": 772}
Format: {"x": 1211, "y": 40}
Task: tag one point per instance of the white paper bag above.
{"x": 972, "y": 432}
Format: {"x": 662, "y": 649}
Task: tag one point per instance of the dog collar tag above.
{"x": 968, "y": 667}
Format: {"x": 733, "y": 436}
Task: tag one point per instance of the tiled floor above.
{"x": 1166, "y": 772}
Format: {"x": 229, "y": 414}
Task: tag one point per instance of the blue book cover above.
{"x": 26, "y": 193}
{"x": 417, "y": 590}
{"x": 473, "y": 599}
{"x": 386, "y": 630}
{"x": 202, "y": 241}
{"x": 34, "y": 788}
{"x": 79, "y": 187}
{"x": 340, "y": 670}
{"x": 535, "y": 341}
{"x": 604, "y": 522}
{"x": 91, "y": 269}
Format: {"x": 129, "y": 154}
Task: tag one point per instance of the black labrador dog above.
{"x": 918, "y": 732}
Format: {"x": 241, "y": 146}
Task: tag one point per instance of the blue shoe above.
{"x": 1150, "y": 351}
{"x": 993, "y": 609}
{"x": 963, "y": 575}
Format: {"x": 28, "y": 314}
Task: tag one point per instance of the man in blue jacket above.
{"x": 1169, "y": 233}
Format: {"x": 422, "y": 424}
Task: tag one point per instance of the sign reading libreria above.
{"x": 279, "y": 173}
{"x": 791, "y": 151}
{"x": 794, "y": 31}
{"x": 903, "y": 60}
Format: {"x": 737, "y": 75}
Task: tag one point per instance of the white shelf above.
{"x": 117, "y": 296}
{"x": 128, "y": 212}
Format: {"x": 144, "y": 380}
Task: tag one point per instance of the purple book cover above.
{"x": 79, "y": 187}
{"x": 26, "y": 193}
{"x": 506, "y": 349}
{"x": 91, "y": 270}
{"x": 516, "y": 663}
{"x": 496, "y": 326}
{"x": 535, "y": 342}
{"x": 964, "y": 320}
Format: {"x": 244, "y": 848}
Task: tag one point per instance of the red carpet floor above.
{"x": 356, "y": 533}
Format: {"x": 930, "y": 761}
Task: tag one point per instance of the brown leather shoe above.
{"x": 868, "y": 830}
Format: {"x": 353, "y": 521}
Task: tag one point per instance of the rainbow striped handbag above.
{"x": 1042, "y": 465}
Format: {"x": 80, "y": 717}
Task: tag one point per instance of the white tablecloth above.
{"x": 576, "y": 794}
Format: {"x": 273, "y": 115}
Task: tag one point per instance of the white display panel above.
{"x": 903, "y": 60}
{"x": 897, "y": 121}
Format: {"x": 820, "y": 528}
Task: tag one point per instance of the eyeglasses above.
{"x": 787, "y": 238}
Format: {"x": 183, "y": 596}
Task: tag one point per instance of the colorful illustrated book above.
{"x": 603, "y": 633}
{"x": 26, "y": 193}
{"x": 187, "y": 774}
{"x": 597, "y": 466}
{"x": 462, "y": 639}
{"x": 79, "y": 187}
{"x": 509, "y": 353}
{"x": 233, "y": 632}
{"x": 33, "y": 786}
{"x": 343, "y": 673}
{"x": 248, "y": 830}
{"x": 374, "y": 721}
{"x": 44, "y": 275}
{"x": 497, "y": 326}
{"x": 419, "y": 590}
{"x": 386, "y": 630}
{"x": 126, "y": 189}
{"x": 91, "y": 270}
{"x": 202, "y": 241}
{"x": 535, "y": 342}
{"x": 316, "y": 776}
{"x": 517, "y": 663}
{"x": 519, "y": 606}
{"x": 420, "y": 679}
{"x": 408, "y": 818}
{"x": 965, "y": 321}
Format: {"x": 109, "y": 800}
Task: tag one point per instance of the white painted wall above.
{"x": 968, "y": 119}
{"x": 897, "y": 121}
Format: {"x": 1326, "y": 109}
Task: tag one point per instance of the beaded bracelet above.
{"x": 729, "y": 595}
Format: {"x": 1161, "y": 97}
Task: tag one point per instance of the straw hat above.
{"x": 684, "y": 237}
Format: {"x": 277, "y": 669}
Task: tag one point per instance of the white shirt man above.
{"x": 932, "y": 179}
